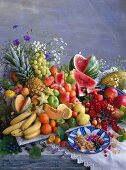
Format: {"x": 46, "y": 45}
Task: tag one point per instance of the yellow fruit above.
{"x": 33, "y": 128}
{"x": 28, "y": 122}
{"x": 33, "y": 135}
{"x": 66, "y": 112}
{"x": 35, "y": 86}
{"x": 17, "y": 132}
{"x": 57, "y": 140}
{"x": 79, "y": 108}
{"x": 9, "y": 93}
{"x": 116, "y": 79}
{"x": 20, "y": 117}
{"x": 13, "y": 127}
{"x": 51, "y": 138}
{"x": 82, "y": 119}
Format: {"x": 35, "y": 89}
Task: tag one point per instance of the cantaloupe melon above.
{"x": 52, "y": 113}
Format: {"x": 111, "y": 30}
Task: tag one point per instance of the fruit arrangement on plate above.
{"x": 40, "y": 98}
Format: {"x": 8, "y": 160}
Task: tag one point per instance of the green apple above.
{"x": 56, "y": 93}
{"x": 53, "y": 101}
{"x": 79, "y": 108}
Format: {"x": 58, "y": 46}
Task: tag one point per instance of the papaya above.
{"x": 52, "y": 113}
{"x": 116, "y": 79}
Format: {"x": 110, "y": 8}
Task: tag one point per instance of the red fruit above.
{"x": 73, "y": 87}
{"x": 72, "y": 93}
{"x": 67, "y": 87}
{"x": 59, "y": 78}
{"x": 120, "y": 100}
{"x": 54, "y": 86}
{"x": 99, "y": 97}
{"x": 74, "y": 114}
{"x": 74, "y": 100}
{"x": 111, "y": 92}
{"x": 48, "y": 81}
{"x": 62, "y": 90}
{"x": 64, "y": 98}
{"x": 63, "y": 143}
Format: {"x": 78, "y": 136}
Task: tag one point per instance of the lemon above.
{"x": 66, "y": 112}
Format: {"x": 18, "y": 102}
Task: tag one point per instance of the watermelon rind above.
{"x": 94, "y": 68}
{"x": 92, "y": 63}
{"x": 73, "y": 64}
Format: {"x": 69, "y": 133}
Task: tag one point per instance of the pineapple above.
{"x": 19, "y": 63}
{"x": 35, "y": 86}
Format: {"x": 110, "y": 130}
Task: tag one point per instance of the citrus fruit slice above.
{"x": 66, "y": 112}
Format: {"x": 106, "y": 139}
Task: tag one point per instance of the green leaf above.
{"x": 61, "y": 133}
{"x": 35, "y": 152}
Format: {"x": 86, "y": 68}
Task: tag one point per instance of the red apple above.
{"x": 74, "y": 100}
{"x": 64, "y": 98}
{"x": 99, "y": 97}
{"x": 111, "y": 92}
{"x": 120, "y": 100}
{"x": 117, "y": 114}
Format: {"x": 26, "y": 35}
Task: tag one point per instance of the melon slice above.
{"x": 79, "y": 62}
{"x": 52, "y": 113}
{"x": 79, "y": 91}
{"x": 21, "y": 104}
{"x": 19, "y": 101}
{"x": 89, "y": 66}
{"x": 83, "y": 80}
{"x": 26, "y": 104}
{"x": 59, "y": 79}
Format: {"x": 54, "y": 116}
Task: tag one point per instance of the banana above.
{"x": 13, "y": 127}
{"x": 17, "y": 132}
{"x": 33, "y": 135}
{"x": 20, "y": 117}
{"x": 33, "y": 128}
{"x": 29, "y": 121}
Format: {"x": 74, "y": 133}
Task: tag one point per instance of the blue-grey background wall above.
{"x": 90, "y": 26}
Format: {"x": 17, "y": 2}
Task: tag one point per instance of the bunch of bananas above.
{"x": 26, "y": 125}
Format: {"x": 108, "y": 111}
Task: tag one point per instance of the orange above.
{"x": 72, "y": 93}
{"x": 57, "y": 140}
{"x": 51, "y": 138}
{"x": 53, "y": 70}
{"x": 67, "y": 87}
{"x": 25, "y": 91}
{"x": 52, "y": 123}
{"x": 46, "y": 129}
{"x": 55, "y": 129}
{"x": 62, "y": 90}
{"x": 43, "y": 117}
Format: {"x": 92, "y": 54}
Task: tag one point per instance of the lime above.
{"x": 72, "y": 122}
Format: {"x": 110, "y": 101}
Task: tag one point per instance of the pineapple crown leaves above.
{"x": 19, "y": 62}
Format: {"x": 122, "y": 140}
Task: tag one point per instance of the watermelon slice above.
{"x": 79, "y": 62}
{"x": 83, "y": 80}
{"x": 59, "y": 79}
{"x": 79, "y": 90}
{"x": 89, "y": 66}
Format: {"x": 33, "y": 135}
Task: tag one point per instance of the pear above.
{"x": 82, "y": 119}
{"x": 79, "y": 108}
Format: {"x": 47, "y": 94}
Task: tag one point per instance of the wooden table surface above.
{"x": 90, "y": 26}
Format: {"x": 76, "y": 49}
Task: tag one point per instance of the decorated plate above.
{"x": 89, "y": 130}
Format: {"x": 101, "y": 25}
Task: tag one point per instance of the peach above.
{"x": 25, "y": 91}
{"x": 48, "y": 81}
{"x": 111, "y": 92}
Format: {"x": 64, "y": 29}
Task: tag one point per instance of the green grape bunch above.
{"x": 40, "y": 65}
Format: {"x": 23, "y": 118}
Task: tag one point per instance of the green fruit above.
{"x": 72, "y": 122}
{"x": 53, "y": 101}
{"x": 121, "y": 138}
{"x": 64, "y": 126}
{"x": 56, "y": 93}
{"x": 60, "y": 120}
